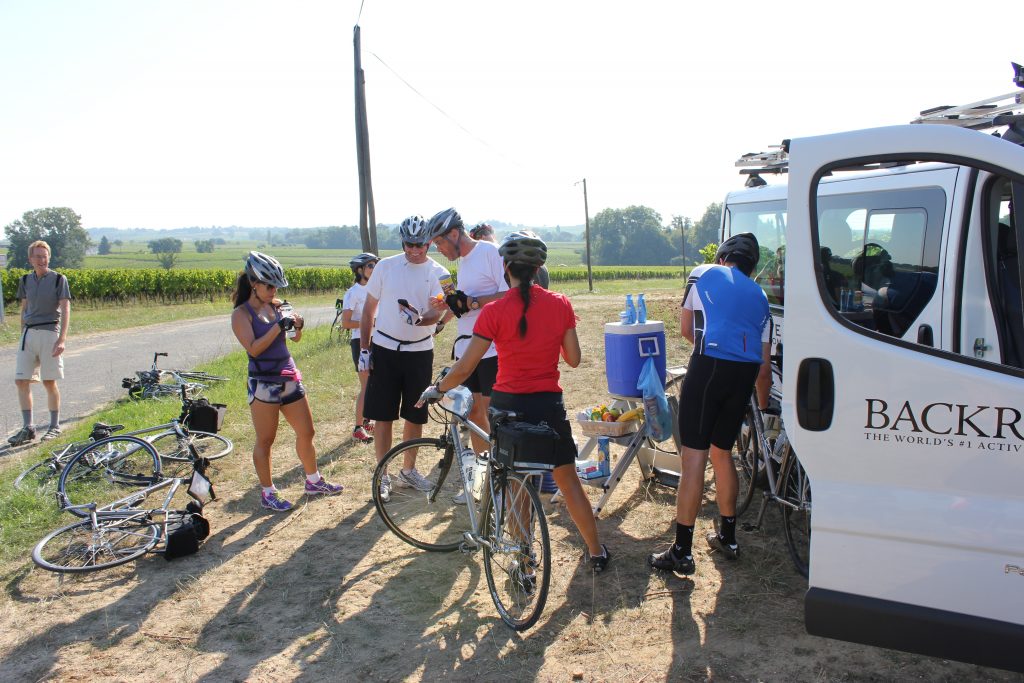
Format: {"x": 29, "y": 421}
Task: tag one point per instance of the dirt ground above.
{"x": 327, "y": 593}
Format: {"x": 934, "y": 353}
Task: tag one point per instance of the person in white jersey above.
{"x": 399, "y": 353}
{"x": 481, "y": 280}
{"x": 351, "y": 313}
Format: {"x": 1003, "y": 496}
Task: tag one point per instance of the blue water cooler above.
{"x": 627, "y": 348}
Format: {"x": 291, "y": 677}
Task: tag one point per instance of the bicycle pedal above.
{"x": 467, "y": 549}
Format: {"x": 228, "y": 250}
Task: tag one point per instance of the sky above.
{"x": 138, "y": 113}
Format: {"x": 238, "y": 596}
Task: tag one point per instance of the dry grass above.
{"x": 326, "y": 593}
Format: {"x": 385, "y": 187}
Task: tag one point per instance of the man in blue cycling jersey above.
{"x": 725, "y": 316}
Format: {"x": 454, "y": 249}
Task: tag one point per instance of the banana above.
{"x": 631, "y": 415}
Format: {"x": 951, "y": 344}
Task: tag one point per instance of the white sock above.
{"x": 267, "y": 490}
{"x": 313, "y": 478}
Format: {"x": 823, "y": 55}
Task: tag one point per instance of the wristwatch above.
{"x": 474, "y": 303}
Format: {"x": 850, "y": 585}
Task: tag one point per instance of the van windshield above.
{"x": 767, "y": 220}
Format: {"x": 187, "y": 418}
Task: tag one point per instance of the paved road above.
{"x": 94, "y": 364}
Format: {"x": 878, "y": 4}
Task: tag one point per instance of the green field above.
{"x": 232, "y": 255}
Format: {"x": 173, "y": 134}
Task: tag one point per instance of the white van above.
{"x": 894, "y": 253}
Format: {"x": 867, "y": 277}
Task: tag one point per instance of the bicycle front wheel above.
{"x": 427, "y": 519}
{"x": 797, "y": 522}
{"x": 82, "y": 547}
{"x": 37, "y": 476}
{"x": 107, "y": 471}
{"x": 747, "y": 459}
{"x": 176, "y": 448}
{"x": 517, "y": 552}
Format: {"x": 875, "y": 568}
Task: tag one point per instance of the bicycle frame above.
{"x": 457, "y": 404}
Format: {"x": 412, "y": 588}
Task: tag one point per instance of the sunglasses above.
{"x": 415, "y": 245}
{"x": 371, "y": 264}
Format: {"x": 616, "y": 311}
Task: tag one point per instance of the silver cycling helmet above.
{"x": 260, "y": 267}
{"x": 524, "y": 246}
{"x": 743, "y": 245}
{"x": 441, "y": 222}
{"x": 413, "y": 230}
{"x": 362, "y": 259}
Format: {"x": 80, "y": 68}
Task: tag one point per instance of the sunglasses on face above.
{"x": 414, "y": 245}
{"x": 371, "y": 264}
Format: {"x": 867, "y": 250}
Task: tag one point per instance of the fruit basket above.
{"x": 600, "y": 428}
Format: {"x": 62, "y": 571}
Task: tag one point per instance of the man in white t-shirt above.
{"x": 399, "y": 354}
{"x": 481, "y": 280}
{"x": 351, "y": 313}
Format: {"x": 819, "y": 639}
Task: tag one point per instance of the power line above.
{"x": 446, "y": 114}
{"x": 360, "y": 16}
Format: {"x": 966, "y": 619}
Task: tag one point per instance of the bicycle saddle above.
{"x": 496, "y": 416}
{"x": 101, "y": 427}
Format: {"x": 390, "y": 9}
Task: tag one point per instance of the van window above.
{"x": 879, "y": 255}
{"x": 1002, "y": 265}
{"x": 767, "y": 220}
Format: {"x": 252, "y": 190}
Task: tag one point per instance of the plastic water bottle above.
{"x": 286, "y": 310}
{"x": 630, "y": 310}
{"x": 468, "y": 460}
{"x": 641, "y": 309}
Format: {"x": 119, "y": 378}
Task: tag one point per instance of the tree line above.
{"x": 635, "y": 235}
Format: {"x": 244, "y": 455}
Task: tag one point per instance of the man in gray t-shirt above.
{"x": 45, "y": 314}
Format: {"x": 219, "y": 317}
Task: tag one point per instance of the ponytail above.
{"x": 243, "y": 290}
{"x": 525, "y": 274}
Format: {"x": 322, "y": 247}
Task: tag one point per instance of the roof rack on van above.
{"x": 776, "y": 160}
{"x": 992, "y": 112}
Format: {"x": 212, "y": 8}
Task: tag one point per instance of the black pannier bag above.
{"x": 186, "y": 529}
{"x": 525, "y": 446}
{"x": 203, "y": 416}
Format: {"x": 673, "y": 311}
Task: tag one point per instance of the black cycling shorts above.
{"x": 544, "y": 406}
{"x": 397, "y": 379}
{"x": 354, "y": 346}
{"x": 712, "y": 400}
{"x": 481, "y": 380}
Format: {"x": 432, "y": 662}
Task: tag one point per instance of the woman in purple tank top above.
{"x": 263, "y": 326}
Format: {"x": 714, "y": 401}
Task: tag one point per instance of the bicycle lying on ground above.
{"x": 499, "y": 512}
{"x": 120, "y": 531}
{"x": 159, "y": 382}
{"x": 172, "y": 440}
{"x": 765, "y": 460}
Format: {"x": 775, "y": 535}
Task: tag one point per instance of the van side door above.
{"x": 915, "y": 450}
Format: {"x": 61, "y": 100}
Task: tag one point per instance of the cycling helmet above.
{"x": 524, "y": 246}
{"x": 262, "y": 268}
{"x": 413, "y": 230}
{"x": 743, "y": 245}
{"x": 442, "y": 222}
{"x": 362, "y": 260}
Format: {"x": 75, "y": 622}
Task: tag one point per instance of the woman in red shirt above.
{"x": 531, "y": 327}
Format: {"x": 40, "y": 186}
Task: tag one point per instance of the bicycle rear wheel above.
{"x": 176, "y": 448}
{"x": 429, "y": 520}
{"x": 797, "y": 522}
{"x": 82, "y": 547}
{"x": 107, "y": 471}
{"x": 517, "y": 554}
{"x": 747, "y": 458}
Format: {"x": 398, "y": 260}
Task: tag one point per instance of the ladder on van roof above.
{"x": 993, "y": 112}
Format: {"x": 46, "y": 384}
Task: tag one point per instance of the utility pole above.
{"x": 586, "y": 214}
{"x": 367, "y": 214}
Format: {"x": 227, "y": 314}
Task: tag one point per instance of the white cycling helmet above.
{"x": 262, "y": 268}
{"x": 414, "y": 230}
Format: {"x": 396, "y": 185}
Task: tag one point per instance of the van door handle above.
{"x": 815, "y": 394}
{"x": 924, "y": 335}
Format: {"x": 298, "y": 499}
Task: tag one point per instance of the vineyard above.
{"x": 119, "y": 285}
